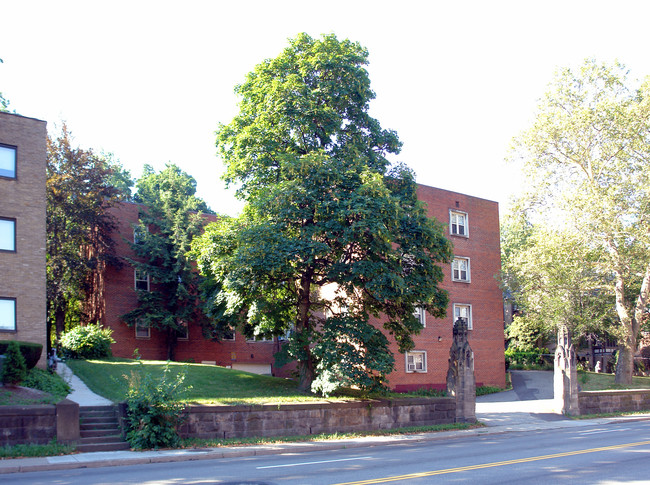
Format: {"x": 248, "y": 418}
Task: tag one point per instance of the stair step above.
{"x": 92, "y": 426}
{"x": 89, "y": 448}
{"x": 109, "y": 419}
{"x": 96, "y": 408}
{"x": 97, "y": 414}
{"x": 90, "y": 433}
{"x": 89, "y": 440}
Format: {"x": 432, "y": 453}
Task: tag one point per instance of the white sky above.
{"x": 150, "y": 80}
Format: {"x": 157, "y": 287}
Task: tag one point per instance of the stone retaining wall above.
{"x": 595, "y": 402}
{"x": 210, "y": 422}
{"x": 39, "y": 424}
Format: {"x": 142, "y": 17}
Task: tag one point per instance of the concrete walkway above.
{"x": 80, "y": 392}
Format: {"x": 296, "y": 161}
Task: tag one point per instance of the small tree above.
{"x": 14, "y": 369}
{"x": 169, "y": 220}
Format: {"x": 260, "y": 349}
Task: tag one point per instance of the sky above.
{"x": 149, "y": 81}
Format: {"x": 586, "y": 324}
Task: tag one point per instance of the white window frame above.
{"x": 136, "y": 231}
{"x": 8, "y": 305}
{"x": 141, "y": 326}
{"x": 412, "y": 368}
{"x": 457, "y": 213}
{"x": 137, "y": 277}
{"x": 7, "y": 152}
{"x": 458, "y": 259}
{"x": 470, "y": 324}
{"x": 421, "y": 316}
{"x": 8, "y": 222}
{"x": 186, "y": 334}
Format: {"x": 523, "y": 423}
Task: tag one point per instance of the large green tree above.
{"x": 586, "y": 158}
{"x": 330, "y": 236}
{"x": 79, "y": 192}
{"x": 169, "y": 219}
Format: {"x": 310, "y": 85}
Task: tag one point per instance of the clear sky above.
{"x": 150, "y": 80}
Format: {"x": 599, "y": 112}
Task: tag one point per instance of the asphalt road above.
{"x": 606, "y": 454}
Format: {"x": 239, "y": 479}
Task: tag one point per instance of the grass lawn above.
{"x": 210, "y": 384}
{"x": 592, "y": 381}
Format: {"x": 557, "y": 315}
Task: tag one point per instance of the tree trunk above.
{"x": 172, "y": 340}
{"x": 625, "y": 365}
{"x": 306, "y": 370}
{"x": 59, "y": 319}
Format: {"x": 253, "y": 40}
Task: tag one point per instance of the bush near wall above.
{"x": 31, "y": 351}
{"x": 528, "y": 359}
{"x": 87, "y": 342}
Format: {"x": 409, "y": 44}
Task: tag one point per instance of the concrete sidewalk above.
{"x": 125, "y": 458}
{"x": 80, "y": 392}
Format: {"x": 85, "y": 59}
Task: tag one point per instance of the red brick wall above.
{"x": 486, "y": 338}
{"x": 120, "y": 298}
{"x": 482, "y": 247}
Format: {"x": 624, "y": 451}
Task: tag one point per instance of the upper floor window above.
{"x": 416, "y": 361}
{"x": 458, "y": 223}
{"x": 421, "y": 316}
{"x": 183, "y": 332}
{"x": 7, "y": 161}
{"x": 464, "y": 311}
{"x": 7, "y": 314}
{"x": 139, "y": 233}
{"x": 7, "y": 234}
{"x": 460, "y": 270}
{"x": 141, "y": 280}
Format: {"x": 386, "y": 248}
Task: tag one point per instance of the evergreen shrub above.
{"x": 87, "y": 342}
{"x": 14, "y": 369}
{"x": 31, "y": 351}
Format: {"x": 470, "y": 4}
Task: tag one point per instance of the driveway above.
{"x": 529, "y": 402}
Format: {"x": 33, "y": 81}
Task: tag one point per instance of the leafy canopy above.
{"x": 330, "y": 237}
{"x": 586, "y": 157}
{"x": 170, "y": 218}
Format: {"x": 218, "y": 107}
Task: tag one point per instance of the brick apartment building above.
{"x": 22, "y": 230}
{"x": 473, "y": 228}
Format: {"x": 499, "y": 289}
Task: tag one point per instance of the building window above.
{"x": 7, "y": 314}
{"x": 183, "y": 332}
{"x": 421, "y": 316}
{"x": 7, "y": 234}
{"x": 463, "y": 311}
{"x": 141, "y": 280}
{"x": 138, "y": 233}
{"x": 142, "y": 330}
{"x": 7, "y": 161}
{"x": 416, "y": 361}
{"x": 458, "y": 225}
{"x": 460, "y": 270}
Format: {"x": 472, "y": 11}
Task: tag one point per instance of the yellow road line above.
{"x": 412, "y": 476}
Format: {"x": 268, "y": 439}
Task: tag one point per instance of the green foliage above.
{"x": 31, "y": 351}
{"x": 485, "y": 390}
{"x": 154, "y": 409}
{"x": 14, "y": 369}
{"x": 528, "y": 359}
{"x": 26, "y": 451}
{"x": 586, "y": 161}
{"x": 328, "y": 227}
{"x": 47, "y": 382}
{"x": 87, "y": 342}
{"x": 79, "y": 191}
{"x": 169, "y": 220}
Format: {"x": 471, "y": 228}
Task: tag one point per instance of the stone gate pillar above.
{"x": 460, "y": 376}
{"x": 565, "y": 378}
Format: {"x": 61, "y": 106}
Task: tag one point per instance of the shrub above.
{"x": 154, "y": 409}
{"x": 31, "y": 351}
{"x": 87, "y": 342}
{"x": 528, "y": 359}
{"x": 44, "y": 381}
{"x": 14, "y": 369}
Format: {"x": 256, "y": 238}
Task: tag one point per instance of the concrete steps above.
{"x": 100, "y": 430}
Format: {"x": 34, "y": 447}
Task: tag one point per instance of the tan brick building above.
{"x": 22, "y": 229}
{"x": 472, "y": 225}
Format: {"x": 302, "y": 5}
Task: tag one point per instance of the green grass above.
{"x": 209, "y": 384}
{"x": 25, "y": 451}
{"x": 592, "y": 381}
{"x": 51, "y": 384}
